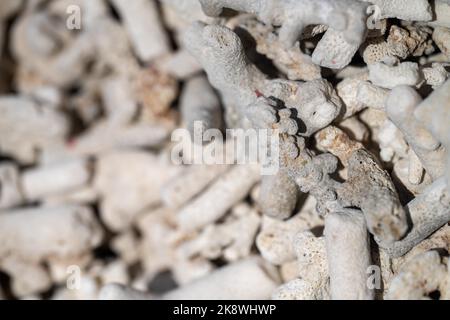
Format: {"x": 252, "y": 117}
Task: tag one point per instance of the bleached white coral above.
{"x": 346, "y": 16}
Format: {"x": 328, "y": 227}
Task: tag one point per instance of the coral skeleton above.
{"x": 408, "y": 10}
{"x": 200, "y": 103}
{"x": 224, "y": 149}
{"x": 348, "y": 255}
{"x": 428, "y": 212}
{"x": 278, "y": 195}
{"x": 400, "y": 106}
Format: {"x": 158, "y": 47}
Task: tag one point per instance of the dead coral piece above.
{"x": 400, "y": 105}
{"x": 294, "y": 17}
{"x": 221, "y": 196}
{"x": 400, "y": 44}
{"x": 428, "y": 212}
{"x": 409, "y": 10}
{"x": 348, "y": 255}
{"x": 40, "y": 128}
{"x": 278, "y": 195}
{"x": 144, "y": 28}
{"x": 419, "y": 277}
{"x": 370, "y": 188}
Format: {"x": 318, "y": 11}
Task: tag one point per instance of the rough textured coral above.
{"x": 230, "y": 188}
{"x": 11, "y": 194}
{"x": 427, "y": 213}
{"x": 333, "y": 51}
{"x": 370, "y": 188}
{"x": 278, "y": 195}
{"x": 313, "y": 266}
{"x": 421, "y": 276}
{"x": 295, "y": 64}
{"x": 435, "y": 75}
{"x": 200, "y": 103}
{"x": 386, "y": 76}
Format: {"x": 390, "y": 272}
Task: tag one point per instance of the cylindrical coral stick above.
{"x": 251, "y": 278}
